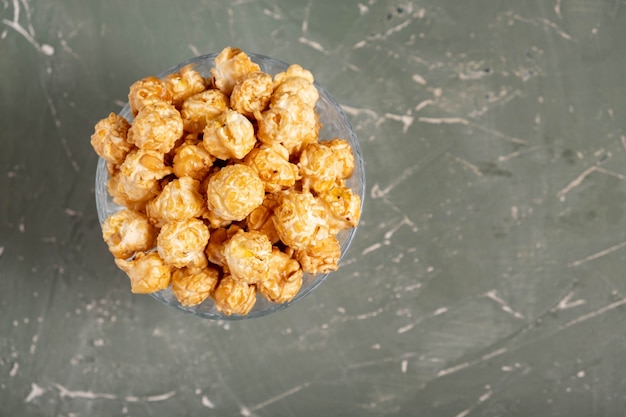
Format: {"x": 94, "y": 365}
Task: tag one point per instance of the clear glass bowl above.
{"x": 334, "y": 124}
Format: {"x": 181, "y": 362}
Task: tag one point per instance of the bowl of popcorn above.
{"x": 229, "y": 186}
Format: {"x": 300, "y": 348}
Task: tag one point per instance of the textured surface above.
{"x": 486, "y": 278}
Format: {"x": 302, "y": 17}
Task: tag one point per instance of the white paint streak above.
{"x": 86, "y": 395}
{"x": 14, "y": 369}
{"x": 464, "y": 365}
{"x": 206, "y": 402}
{"x": 579, "y": 180}
{"x": 279, "y": 397}
{"x": 597, "y": 255}
{"x": 355, "y": 111}
{"x": 372, "y": 248}
{"x": 404, "y": 366}
{"x": 440, "y": 311}
{"x": 465, "y": 122}
{"x": 35, "y": 392}
{"x": 469, "y": 166}
{"x": 406, "y": 120}
{"x": 493, "y": 295}
{"x": 194, "y": 50}
{"x": 313, "y": 44}
{"x": 419, "y": 79}
{"x": 596, "y": 313}
{"x": 565, "y": 302}
{"x": 377, "y": 192}
{"x": 423, "y": 104}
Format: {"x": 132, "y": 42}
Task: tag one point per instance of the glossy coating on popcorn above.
{"x": 137, "y": 179}
{"x": 234, "y": 297}
{"x": 181, "y": 242}
{"x": 284, "y": 279}
{"x": 148, "y": 273}
{"x": 234, "y": 191}
{"x": 156, "y": 127}
{"x": 109, "y": 139}
{"x": 252, "y": 94}
{"x": 199, "y": 108}
{"x": 192, "y": 160}
{"x": 215, "y": 248}
{"x": 184, "y": 84}
{"x": 192, "y": 286}
{"x": 343, "y": 206}
{"x": 260, "y": 219}
{"x": 320, "y": 258}
{"x": 180, "y": 199}
{"x": 272, "y": 165}
{"x": 295, "y": 81}
{"x": 300, "y": 220}
{"x": 247, "y": 255}
{"x": 231, "y": 66}
{"x": 148, "y": 91}
{"x": 323, "y": 164}
{"x": 230, "y": 135}
{"x": 128, "y": 231}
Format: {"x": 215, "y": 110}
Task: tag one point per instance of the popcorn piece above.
{"x": 260, "y": 218}
{"x": 230, "y": 135}
{"x": 192, "y": 286}
{"x": 181, "y": 242}
{"x": 126, "y": 232}
{"x": 231, "y": 66}
{"x": 284, "y": 279}
{"x": 109, "y": 139}
{"x": 323, "y": 164}
{"x": 147, "y": 91}
{"x": 234, "y": 191}
{"x": 234, "y": 297}
{"x": 137, "y": 180}
{"x": 247, "y": 255}
{"x": 199, "y": 108}
{"x": 272, "y": 165}
{"x": 193, "y": 161}
{"x": 344, "y": 207}
{"x": 289, "y": 122}
{"x": 180, "y": 199}
{"x": 215, "y": 248}
{"x": 184, "y": 84}
{"x": 252, "y": 93}
{"x": 300, "y": 220}
{"x": 320, "y": 258}
{"x": 295, "y": 81}
{"x": 156, "y": 127}
{"x": 147, "y": 272}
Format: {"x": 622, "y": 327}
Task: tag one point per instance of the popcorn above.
{"x": 230, "y": 135}
{"x": 247, "y": 255}
{"x": 181, "y": 242}
{"x": 147, "y": 272}
{"x": 184, "y": 84}
{"x": 201, "y": 107}
{"x": 234, "y": 191}
{"x": 128, "y": 231}
{"x": 231, "y": 66}
{"x": 179, "y": 200}
{"x": 192, "y": 286}
{"x": 234, "y": 297}
{"x": 109, "y": 139}
{"x": 156, "y": 127}
{"x": 272, "y": 165}
{"x": 228, "y": 191}
{"x": 147, "y": 91}
{"x": 284, "y": 279}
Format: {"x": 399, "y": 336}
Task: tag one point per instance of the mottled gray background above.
{"x": 486, "y": 278}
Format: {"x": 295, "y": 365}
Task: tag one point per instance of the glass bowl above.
{"x": 335, "y": 124}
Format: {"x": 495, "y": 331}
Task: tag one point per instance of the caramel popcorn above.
{"x": 192, "y": 160}
{"x": 180, "y": 199}
{"x": 252, "y": 94}
{"x": 289, "y": 122}
{"x": 192, "y": 286}
{"x": 199, "y": 108}
{"x": 300, "y": 219}
{"x": 148, "y": 91}
{"x": 227, "y": 190}
{"x": 109, "y": 139}
{"x": 234, "y": 297}
{"x": 147, "y": 272}
{"x": 272, "y": 165}
{"x": 156, "y": 127}
{"x": 184, "y": 84}
{"x": 321, "y": 257}
{"x": 234, "y": 191}
{"x": 284, "y": 279}
{"x": 247, "y": 255}
{"x": 128, "y": 231}
{"x": 181, "y": 242}
{"x": 231, "y": 66}
{"x": 230, "y": 135}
